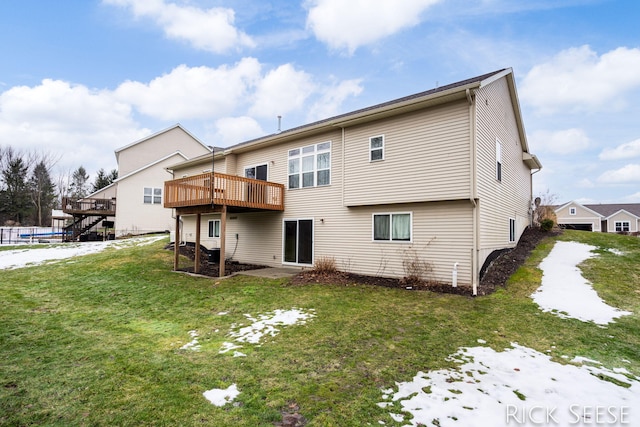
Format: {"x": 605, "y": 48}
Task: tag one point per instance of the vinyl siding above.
{"x": 134, "y": 216}
{"x": 148, "y": 151}
{"x": 426, "y": 158}
{"x": 622, "y": 216}
{"x": 441, "y": 230}
{"x": 511, "y": 196}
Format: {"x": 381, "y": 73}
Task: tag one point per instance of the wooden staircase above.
{"x": 86, "y": 213}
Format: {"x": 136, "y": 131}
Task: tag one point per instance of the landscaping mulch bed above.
{"x": 495, "y": 275}
{"x": 212, "y": 269}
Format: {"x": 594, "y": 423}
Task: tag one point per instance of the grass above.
{"x": 97, "y": 341}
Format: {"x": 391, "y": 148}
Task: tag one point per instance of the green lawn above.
{"x": 97, "y": 342}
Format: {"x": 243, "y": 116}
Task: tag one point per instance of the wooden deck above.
{"x": 227, "y": 190}
{"x": 95, "y": 207}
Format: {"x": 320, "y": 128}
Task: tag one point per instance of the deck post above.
{"x": 223, "y": 237}
{"x": 196, "y": 267}
{"x": 176, "y": 244}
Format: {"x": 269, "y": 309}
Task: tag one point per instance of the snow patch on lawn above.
{"x": 502, "y": 388}
{"x": 221, "y": 397}
{"x": 565, "y": 292}
{"x": 193, "y": 344}
{"x": 265, "y": 324}
{"x": 20, "y": 258}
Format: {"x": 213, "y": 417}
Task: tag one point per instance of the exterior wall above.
{"x": 132, "y": 214}
{"x": 509, "y": 198}
{"x": 440, "y": 232}
{"x": 108, "y": 192}
{"x": 197, "y": 169}
{"x": 582, "y": 216}
{"x": 622, "y": 216}
{"x": 426, "y": 158}
{"x": 150, "y": 150}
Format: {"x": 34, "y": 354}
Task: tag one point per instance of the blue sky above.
{"x": 79, "y": 79}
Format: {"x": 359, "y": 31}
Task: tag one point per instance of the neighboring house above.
{"x": 443, "y": 176}
{"x": 134, "y": 202}
{"x": 608, "y": 218}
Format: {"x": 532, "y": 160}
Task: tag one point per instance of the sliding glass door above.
{"x": 298, "y": 241}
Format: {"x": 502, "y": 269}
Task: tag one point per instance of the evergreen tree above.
{"x": 79, "y": 187}
{"x": 15, "y": 203}
{"x": 43, "y": 194}
{"x": 103, "y": 179}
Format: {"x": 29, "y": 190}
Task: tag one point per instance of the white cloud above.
{"x": 233, "y": 130}
{"x": 578, "y": 79}
{"x": 623, "y": 151}
{"x": 628, "y": 173}
{"x": 351, "y": 24}
{"x": 565, "y": 141}
{"x": 190, "y": 93}
{"x": 282, "y": 90}
{"x": 332, "y": 98}
{"x": 82, "y": 126}
{"x": 211, "y": 29}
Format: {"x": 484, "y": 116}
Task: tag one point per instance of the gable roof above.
{"x": 176, "y": 126}
{"x": 573, "y": 202}
{"x": 121, "y": 178}
{"x": 608, "y": 210}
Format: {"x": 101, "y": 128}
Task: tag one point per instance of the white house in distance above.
{"x": 445, "y": 175}
{"x": 134, "y": 202}
{"x": 608, "y": 218}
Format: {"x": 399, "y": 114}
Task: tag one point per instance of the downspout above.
{"x": 343, "y": 169}
{"x": 473, "y": 190}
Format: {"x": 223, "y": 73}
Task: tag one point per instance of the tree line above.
{"x": 28, "y": 191}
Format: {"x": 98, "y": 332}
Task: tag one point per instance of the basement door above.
{"x": 298, "y": 241}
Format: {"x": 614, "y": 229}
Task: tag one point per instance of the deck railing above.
{"x": 228, "y": 190}
{"x": 90, "y": 206}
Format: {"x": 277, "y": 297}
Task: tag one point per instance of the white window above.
{"x": 572, "y": 211}
{"x": 310, "y": 166}
{"x": 214, "y": 228}
{"x": 376, "y": 148}
{"x": 622, "y": 226}
{"x": 152, "y": 196}
{"x": 392, "y": 227}
{"x": 512, "y": 230}
{"x": 498, "y": 160}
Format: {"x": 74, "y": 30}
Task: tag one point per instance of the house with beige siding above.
{"x": 443, "y": 175}
{"x": 133, "y": 203}
{"x": 607, "y": 218}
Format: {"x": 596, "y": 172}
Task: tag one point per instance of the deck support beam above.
{"x": 196, "y": 267}
{"x": 223, "y": 238}
{"x": 176, "y": 244}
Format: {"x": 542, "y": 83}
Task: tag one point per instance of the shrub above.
{"x": 546, "y": 224}
{"x": 325, "y": 265}
{"x": 416, "y": 269}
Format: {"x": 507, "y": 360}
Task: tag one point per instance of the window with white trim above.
{"x": 152, "y": 196}
{"x": 572, "y": 211}
{"x": 376, "y": 148}
{"x": 214, "y": 228}
{"x": 622, "y": 226}
{"x": 498, "y": 160}
{"x": 310, "y": 166}
{"x": 392, "y": 227}
{"x": 512, "y": 230}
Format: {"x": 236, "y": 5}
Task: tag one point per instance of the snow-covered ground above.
{"x": 565, "y": 292}
{"x": 523, "y": 387}
{"x": 39, "y": 254}
{"x": 517, "y": 386}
